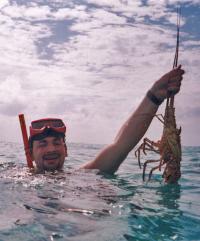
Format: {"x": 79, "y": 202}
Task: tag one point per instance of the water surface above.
{"x": 83, "y": 205}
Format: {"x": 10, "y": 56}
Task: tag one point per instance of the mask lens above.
{"x": 43, "y": 123}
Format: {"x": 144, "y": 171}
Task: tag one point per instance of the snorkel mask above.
{"x": 40, "y": 126}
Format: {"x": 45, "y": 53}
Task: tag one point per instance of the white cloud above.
{"x": 172, "y": 2}
{"x": 27, "y": 12}
{"x": 97, "y": 70}
{"x": 3, "y": 3}
{"x": 78, "y": 13}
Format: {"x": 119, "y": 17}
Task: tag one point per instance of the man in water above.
{"x": 47, "y": 136}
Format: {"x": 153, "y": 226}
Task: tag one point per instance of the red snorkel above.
{"x": 25, "y": 140}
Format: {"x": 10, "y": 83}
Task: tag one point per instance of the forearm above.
{"x": 110, "y": 158}
{"x": 135, "y": 127}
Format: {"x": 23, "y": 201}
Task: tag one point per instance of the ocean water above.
{"x": 83, "y": 205}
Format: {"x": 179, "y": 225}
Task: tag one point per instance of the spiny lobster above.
{"x": 169, "y": 146}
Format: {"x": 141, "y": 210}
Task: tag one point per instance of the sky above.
{"x": 91, "y": 62}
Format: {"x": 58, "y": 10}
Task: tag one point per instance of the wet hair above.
{"x": 46, "y": 133}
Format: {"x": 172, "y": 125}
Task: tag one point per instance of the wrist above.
{"x": 153, "y": 98}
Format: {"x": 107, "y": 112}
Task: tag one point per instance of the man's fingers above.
{"x": 169, "y": 84}
{"x": 179, "y": 67}
{"x": 174, "y": 85}
{"x": 175, "y": 80}
{"x": 180, "y": 71}
{"x": 176, "y": 72}
{"x": 172, "y": 90}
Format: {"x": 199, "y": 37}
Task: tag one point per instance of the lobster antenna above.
{"x": 177, "y": 38}
{"x": 175, "y": 64}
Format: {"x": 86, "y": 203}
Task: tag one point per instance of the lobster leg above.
{"x": 153, "y": 169}
{"x": 137, "y": 154}
{"x": 147, "y": 145}
{"x": 160, "y": 119}
{"x": 145, "y": 165}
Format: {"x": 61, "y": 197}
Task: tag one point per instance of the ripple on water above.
{"x": 82, "y": 205}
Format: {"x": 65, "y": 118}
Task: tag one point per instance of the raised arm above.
{"x": 131, "y": 132}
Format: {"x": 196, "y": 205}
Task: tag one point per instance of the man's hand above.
{"x": 169, "y": 84}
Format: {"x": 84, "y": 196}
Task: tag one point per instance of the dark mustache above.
{"x": 52, "y": 155}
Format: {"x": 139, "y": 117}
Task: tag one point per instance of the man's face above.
{"x": 49, "y": 153}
